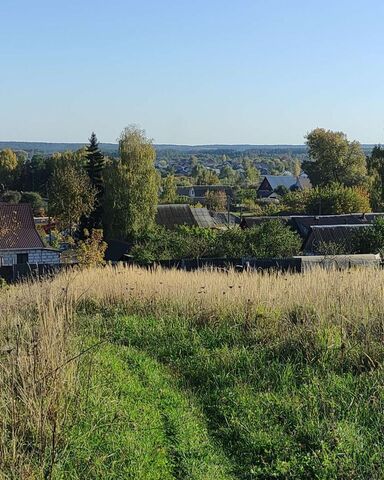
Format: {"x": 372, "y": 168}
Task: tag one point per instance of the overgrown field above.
{"x": 127, "y": 373}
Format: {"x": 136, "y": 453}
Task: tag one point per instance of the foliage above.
{"x": 230, "y": 176}
{"x": 333, "y": 199}
{"x": 375, "y": 165}
{"x": 169, "y": 190}
{"x": 204, "y": 176}
{"x": 334, "y": 159}
{"x": 370, "y": 239}
{"x": 251, "y": 173}
{"x": 271, "y": 239}
{"x": 90, "y": 252}
{"x": 94, "y": 166}
{"x": 8, "y": 168}
{"x": 35, "y": 200}
{"x": 11, "y": 196}
{"x": 71, "y": 194}
{"x": 216, "y": 200}
{"x": 131, "y": 188}
{"x": 198, "y": 375}
{"x": 282, "y": 190}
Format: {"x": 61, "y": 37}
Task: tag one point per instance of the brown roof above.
{"x": 17, "y": 227}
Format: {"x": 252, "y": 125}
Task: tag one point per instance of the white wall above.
{"x": 48, "y": 257}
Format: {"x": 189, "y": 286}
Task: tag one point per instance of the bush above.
{"x": 37, "y": 203}
{"x": 271, "y": 239}
{"x": 11, "y": 196}
{"x": 370, "y": 239}
{"x": 334, "y": 199}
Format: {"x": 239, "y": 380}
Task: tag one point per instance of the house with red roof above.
{"x": 20, "y": 242}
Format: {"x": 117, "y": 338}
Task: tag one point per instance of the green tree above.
{"x": 296, "y": 167}
{"x": 216, "y": 200}
{"x": 333, "y": 199}
{"x": 11, "y": 196}
{"x": 35, "y": 200}
{"x": 370, "y": 239}
{"x": 334, "y": 159}
{"x": 271, "y": 239}
{"x": 131, "y": 188}
{"x": 90, "y": 252}
{"x": 375, "y": 163}
{"x": 71, "y": 195}
{"x": 95, "y": 164}
{"x": 229, "y": 176}
{"x": 169, "y": 189}
{"x": 251, "y": 173}
{"x": 8, "y": 168}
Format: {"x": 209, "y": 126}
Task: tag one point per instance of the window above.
{"x": 22, "y": 258}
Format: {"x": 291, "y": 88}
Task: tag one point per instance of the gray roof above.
{"x": 201, "y": 190}
{"x": 172, "y": 216}
{"x": 221, "y": 218}
{"x": 303, "y": 223}
{"x": 288, "y": 181}
{"x": 339, "y": 234}
{"x": 252, "y": 221}
{"x": 281, "y": 180}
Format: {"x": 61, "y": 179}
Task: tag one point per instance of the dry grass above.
{"x": 356, "y": 294}
{"x": 36, "y": 332}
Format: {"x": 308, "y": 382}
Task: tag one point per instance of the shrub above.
{"x": 370, "y": 239}
{"x": 333, "y": 199}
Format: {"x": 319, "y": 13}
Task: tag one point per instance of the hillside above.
{"x": 106, "y": 373}
{"x": 111, "y": 148}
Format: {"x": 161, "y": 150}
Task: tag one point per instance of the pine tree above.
{"x": 95, "y": 163}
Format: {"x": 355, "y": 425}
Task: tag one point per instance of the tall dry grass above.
{"x": 38, "y": 354}
{"x": 35, "y": 378}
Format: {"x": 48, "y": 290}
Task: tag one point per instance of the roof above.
{"x": 172, "y": 216}
{"x": 17, "y": 228}
{"x": 289, "y": 181}
{"x": 221, "y": 218}
{"x": 303, "y": 223}
{"x": 252, "y": 221}
{"x": 201, "y": 190}
{"x": 281, "y": 180}
{"x": 339, "y": 234}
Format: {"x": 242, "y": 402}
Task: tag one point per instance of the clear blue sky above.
{"x": 201, "y": 71}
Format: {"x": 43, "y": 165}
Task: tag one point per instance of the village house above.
{"x": 20, "y": 242}
{"x": 270, "y": 183}
{"x": 198, "y": 193}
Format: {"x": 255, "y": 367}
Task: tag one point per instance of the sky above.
{"x": 191, "y": 71}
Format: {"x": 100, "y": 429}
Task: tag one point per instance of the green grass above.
{"x": 171, "y": 399}
{"x": 132, "y": 422}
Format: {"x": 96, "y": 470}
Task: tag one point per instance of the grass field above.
{"x": 128, "y": 373}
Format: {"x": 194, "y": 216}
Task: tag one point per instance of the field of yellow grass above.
{"x": 48, "y": 328}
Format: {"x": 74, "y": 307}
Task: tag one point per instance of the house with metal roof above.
{"x": 20, "y": 242}
{"x": 271, "y": 182}
{"x": 303, "y": 223}
{"x": 198, "y": 193}
{"x": 175, "y": 215}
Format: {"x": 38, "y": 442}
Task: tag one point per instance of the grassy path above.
{"x": 168, "y": 399}
{"x": 132, "y": 422}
